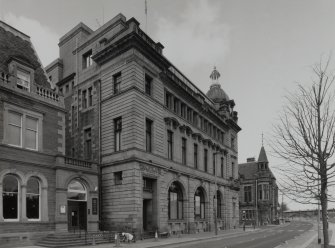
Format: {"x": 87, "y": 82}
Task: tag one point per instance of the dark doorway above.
{"x": 77, "y": 215}
{"x": 147, "y": 214}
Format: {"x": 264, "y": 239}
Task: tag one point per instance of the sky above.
{"x": 262, "y": 48}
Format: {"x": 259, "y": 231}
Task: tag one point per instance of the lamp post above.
{"x": 215, "y": 198}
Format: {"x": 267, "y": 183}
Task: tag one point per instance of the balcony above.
{"x": 68, "y": 161}
{"x": 32, "y": 90}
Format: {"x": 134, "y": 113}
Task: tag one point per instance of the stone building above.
{"x": 167, "y": 151}
{"x": 40, "y": 188}
{"x": 259, "y": 191}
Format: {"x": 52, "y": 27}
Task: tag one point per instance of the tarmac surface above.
{"x": 306, "y": 240}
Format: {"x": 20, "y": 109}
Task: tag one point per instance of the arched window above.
{"x": 218, "y": 205}
{"x": 199, "y": 204}
{"x": 76, "y": 191}
{"x": 33, "y": 199}
{"x": 10, "y": 195}
{"x": 175, "y": 201}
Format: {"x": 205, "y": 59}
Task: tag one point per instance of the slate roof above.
{"x": 250, "y": 170}
{"x": 16, "y": 45}
{"x": 262, "y": 156}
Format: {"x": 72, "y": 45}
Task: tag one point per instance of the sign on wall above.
{"x": 94, "y": 206}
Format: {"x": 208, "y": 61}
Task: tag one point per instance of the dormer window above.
{"x": 23, "y": 79}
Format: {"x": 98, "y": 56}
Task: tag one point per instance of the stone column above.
{"x": 23, "y": 212}
{"x": 1, "y": 205}
{"x": 44, "y": 204}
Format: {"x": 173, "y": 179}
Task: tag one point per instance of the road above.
{"x": 268, "y": 237}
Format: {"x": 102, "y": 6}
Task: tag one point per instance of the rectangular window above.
{"x": 176, "y": 103}
{"x": 148, "y": 184}
{"x": 118, "y": 177}
{"x": 148, "y": 85}
{"x": 90, "y": 97}
{"x": 148, "y": 133}
{"x": 173, "y": 205}
{"x": 183, "y": 110}
{"x": 168, "y": 100}
{"x": 117, "y": 83}
{"x": 67, "y": 88}
{"x": 170, "y": 144}
{"x": 222, "y": 167}
{"x": 22, "y": 130}
{"x": 205, "y": 159}
{"x": 195, "y": 119}
{"x": 117, "y": 133}
{"x": 201, "y": 123}
{"x": 196, "y": 156}
{"x": 232, "y": 169}
{"x": 73, "y": 118}
{"x": 197, "y": 206}
{"x": 14, "y": 129}
{"x": 23, "y": 79}
{"x": 31, "y": 133}
{"x": 206, "y": 126}
{"x": 247, "y": 194}
{"x": 183, "y": 151}
{"x": 189, "y": 114}
{"x": 88, "y": 144}
{"x": 214, "y": 165}
{"x": 87, "y": 59}
{"x": 210, "y": 129}
{"x": 84, "y": 99}
{"x": 232, "y": 143}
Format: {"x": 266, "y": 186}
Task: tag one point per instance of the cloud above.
{"x": 43, "y": 38}
{"x": 196, "y": 41}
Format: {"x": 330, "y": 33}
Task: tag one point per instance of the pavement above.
{"x": 306, "y": 240}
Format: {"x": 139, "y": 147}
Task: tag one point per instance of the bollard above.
{"x": 156, "y": 236}
{"x": 117, "y": 240}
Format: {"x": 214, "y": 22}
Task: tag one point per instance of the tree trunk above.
{"x": 324, "y": 216}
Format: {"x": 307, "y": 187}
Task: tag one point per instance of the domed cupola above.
{"x": 215, "y": 92}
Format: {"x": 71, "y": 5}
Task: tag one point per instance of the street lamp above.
{"x": 215, "y": 197}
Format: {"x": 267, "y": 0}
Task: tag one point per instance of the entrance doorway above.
{"x": 77, "y": 205}
{"x": 77, "y": 215}
{"x": 147, "y": 214}
{"x": 149, "y": 206}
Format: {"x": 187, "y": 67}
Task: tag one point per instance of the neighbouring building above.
{"x": 167, "y": 152}
{"x": 259, "y": 191}
{"x": 40, "y": 188}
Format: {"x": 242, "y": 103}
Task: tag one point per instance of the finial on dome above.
{"x": 215, "y": 75}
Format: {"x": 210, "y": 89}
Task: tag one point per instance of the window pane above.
{"x": 10, "y": 197}
{"x": 31, "y": 123}
{"x": 14, "y": 118}
{"x": 14, "y": 135}
{"x": 10, "y": 205}
{"x": 76, "y": 196}
{"x": 197, "y": 205}
{"x": 76, "y": 191}
{"x": 180, "y": 209}
{"x": 33, "y": 186}
{"x": 33, "y": 206}
{"x": 30, "y": 139}
{"x": 10, "y": 184}
{"x": 76, "y": 185}
{"x": 173, "y": 205}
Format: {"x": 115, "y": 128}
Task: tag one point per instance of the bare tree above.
{"x": 305, "y": 139}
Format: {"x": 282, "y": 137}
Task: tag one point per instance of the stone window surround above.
{"x": 22, "y": 180}
{"x": 24, "y": 112}
{"x": 14, "y": 65}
